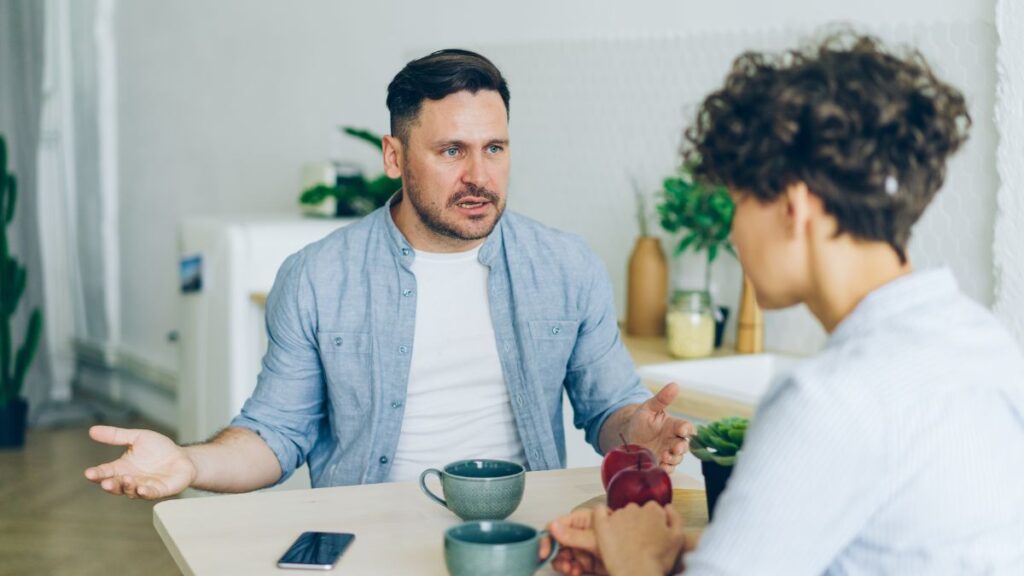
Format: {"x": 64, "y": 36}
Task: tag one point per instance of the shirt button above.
{"x": 403, "y": 349}
{"x": 337, "y": 340}
{"x": 383, "y": 459}
{"x": 519, "y": 399}
{"x": 555, "y": 330}
{"x": 405, "y": 251}
{"x": 396, "y": 404}
{"x": 406, "y": 292}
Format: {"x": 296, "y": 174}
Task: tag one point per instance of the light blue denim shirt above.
{"x": 340, "y": 325}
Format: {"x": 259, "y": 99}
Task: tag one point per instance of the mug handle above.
{"x": 554, "y": 549}
{"x": 423, "y": 485}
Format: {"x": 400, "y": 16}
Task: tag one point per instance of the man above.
{"x": 899, "y": 448}
{"x": 437, "y": 328}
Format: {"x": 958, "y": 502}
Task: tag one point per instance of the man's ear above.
{"x": 392, "y": 149}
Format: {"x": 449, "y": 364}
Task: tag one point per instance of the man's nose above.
{"x": 476, "y": 171}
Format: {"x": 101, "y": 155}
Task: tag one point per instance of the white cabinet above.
{"x": 222, "y": 335}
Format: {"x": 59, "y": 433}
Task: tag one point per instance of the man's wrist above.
{"x": 617, "y": 425}
{"x": 195, "y": 459}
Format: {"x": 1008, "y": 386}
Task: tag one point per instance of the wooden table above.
{"x": 398, "y": 530}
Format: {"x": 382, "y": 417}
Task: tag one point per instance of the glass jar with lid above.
{"x": 690, "y": 324}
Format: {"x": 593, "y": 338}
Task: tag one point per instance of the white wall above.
{"x": 220, "y": 103}
{"x": 582, "y": 135}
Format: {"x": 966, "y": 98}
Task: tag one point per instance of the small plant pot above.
{"x": 715, "y": 478}
{"x": 12, "y": 424}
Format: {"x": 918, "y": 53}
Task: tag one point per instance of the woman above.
{"x": 899, "y": 448}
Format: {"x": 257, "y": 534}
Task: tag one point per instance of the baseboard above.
{"x": 127, "y": 381}
{"x": 103, "y": 356}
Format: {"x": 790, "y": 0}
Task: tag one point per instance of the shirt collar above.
{"x": 403, "y": 250}
{"x": 491, "y": 247}
{"x": 895, "y": 297}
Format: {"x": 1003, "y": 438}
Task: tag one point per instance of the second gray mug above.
{"x": 478, "y": 489}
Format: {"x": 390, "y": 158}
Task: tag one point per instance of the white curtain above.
{"x": 21, "y": 71}
{"x": 78, "y": 190}
{"x": 58, "y": 111}
{"x": 58, "y": 185}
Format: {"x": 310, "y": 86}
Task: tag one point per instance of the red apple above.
{"x": 639, "y": 485}
{"x": 622, "y": 457}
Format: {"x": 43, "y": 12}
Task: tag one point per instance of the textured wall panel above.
{"x": 1009, "y": 242}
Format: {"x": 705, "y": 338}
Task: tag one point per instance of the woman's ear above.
{"x": 392, "y": 149}
{"x": 797, "y": 201}
{"x": 805, "y": 211}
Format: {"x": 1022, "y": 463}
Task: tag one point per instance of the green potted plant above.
{"x": 702, "y": 215}
{"x": 13, "y": 365}
{"x": 354, "y": 194}
{"x": 716, "y": 446}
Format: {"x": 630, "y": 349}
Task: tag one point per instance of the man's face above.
{"x": 771, "y": 246}
{"x": 455, "y": 163}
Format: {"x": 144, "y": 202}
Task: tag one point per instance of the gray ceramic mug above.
{"x": 494, "y": 547}
{"x": 478, "y": 489}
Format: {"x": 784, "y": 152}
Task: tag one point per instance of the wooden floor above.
{"x": 54, "y": 521}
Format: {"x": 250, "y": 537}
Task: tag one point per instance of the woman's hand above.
{"x": 578, "y": 553}
{"x": 635, "y": 540}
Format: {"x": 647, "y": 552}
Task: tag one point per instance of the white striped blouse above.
{"x": 899, "y": 449}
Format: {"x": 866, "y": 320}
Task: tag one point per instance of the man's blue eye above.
{"x": 451, "y": 152}
{"x": 494, "y": 149}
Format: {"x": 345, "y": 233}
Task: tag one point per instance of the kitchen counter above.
{"x": 690, "y": 403}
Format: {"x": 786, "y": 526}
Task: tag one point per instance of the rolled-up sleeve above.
{"x": 601, "y": 377}
{"x": 287, "y": 407}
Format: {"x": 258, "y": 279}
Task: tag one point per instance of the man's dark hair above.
{"x": 867, "y": 131}
{"x": 435, "y": 76}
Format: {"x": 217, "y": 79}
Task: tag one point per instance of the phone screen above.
{"x": 317, "y": 550}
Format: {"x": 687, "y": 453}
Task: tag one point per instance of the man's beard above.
{"x": 432, "y": 216}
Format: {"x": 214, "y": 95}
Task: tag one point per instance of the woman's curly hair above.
{"x": 867, "y": 131}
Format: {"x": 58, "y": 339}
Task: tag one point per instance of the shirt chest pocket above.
{"x": 553, "y": 343}
{"x": 347, "y": 359}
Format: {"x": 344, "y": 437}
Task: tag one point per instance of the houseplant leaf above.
{"x": 366, "y": 136}
{"x": 702, "y": 213}
{"x": 27, "y": 351}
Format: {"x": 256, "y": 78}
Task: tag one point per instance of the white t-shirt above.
{"x": 457, "y": 405}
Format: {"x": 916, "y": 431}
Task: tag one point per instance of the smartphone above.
{"x": 316, "y": 550}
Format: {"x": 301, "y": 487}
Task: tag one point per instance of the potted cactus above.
{"x": 13, "y": 365}
{"x": 716, "y": 446}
